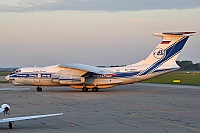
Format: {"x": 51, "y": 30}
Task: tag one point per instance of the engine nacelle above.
{"x": 71, "y": 80}
{"x": 67, "y": 79}
{"x": 5, "y": 108}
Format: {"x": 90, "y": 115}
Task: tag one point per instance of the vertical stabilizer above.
{"x": 166, "y": 53}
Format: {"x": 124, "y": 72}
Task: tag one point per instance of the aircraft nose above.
{"x": 7, "y": 77}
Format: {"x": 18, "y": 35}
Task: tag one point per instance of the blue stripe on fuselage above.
{"x": 117, "y": 75}
{"x": 132, "y": 74}
{"x": 126, "y": 74}
{"x": 31, "y": 75}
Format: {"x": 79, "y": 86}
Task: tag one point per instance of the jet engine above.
{"x": 68, "y": 79}
{"x": 5, "y": 108}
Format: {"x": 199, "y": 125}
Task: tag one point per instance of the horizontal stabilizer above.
{"x": 174, "y": 33}
{"x": 179, "y": 33}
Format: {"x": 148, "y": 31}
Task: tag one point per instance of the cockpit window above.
{"x": 17, "y": 71}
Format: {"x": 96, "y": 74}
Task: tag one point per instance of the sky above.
{"x": 93, "y": 32}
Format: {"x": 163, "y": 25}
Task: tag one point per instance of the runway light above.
{"x": 176, "y": 80}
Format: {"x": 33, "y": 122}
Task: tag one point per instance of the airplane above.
{"x": 5, "y": 108}
{"x": 160, "y": 61}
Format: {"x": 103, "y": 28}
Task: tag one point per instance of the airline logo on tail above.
{"x": 158, "y": 53}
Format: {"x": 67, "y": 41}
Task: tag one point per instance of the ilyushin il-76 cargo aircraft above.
{"x": 161, "y": 60}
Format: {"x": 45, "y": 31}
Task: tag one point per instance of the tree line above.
{"x": 188, "y": 65}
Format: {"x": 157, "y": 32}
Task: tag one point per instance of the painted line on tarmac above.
{"x": 13, "y": 89}
{"x": 168, "y": 123}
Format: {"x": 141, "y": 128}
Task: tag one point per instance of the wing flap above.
{"x": 27, "y": 117}
{"x": 86, "y": 68}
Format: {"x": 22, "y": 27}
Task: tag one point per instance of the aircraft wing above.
{"x": 86, "y": 68}
{"x": 27, "y": 117}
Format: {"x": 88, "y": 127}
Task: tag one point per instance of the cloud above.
{"x": 24, "y": 5}
{"x": 105, "y": 5}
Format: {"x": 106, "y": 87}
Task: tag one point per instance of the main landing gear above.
{"x": 39, "y": 89}
{"x": 85, "y": 89}
{"x": 95, "y": 89}
{"x": 10, "y": 125}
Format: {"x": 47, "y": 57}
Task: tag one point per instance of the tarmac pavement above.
{"x": 137, "y": 108}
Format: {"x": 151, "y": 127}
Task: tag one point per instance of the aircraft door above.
{"x": 37, "y": 78}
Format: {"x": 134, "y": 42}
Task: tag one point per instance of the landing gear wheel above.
{"x": 10, "y": 125}
{"x": 39, "y": 89}
{"x": 95, "y": 89}
{"x": 85, "y": 90}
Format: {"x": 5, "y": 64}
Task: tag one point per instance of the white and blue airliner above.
{"x": 161, "y": 60}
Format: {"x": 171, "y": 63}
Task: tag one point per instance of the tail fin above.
{"x": 166, "y": 53}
